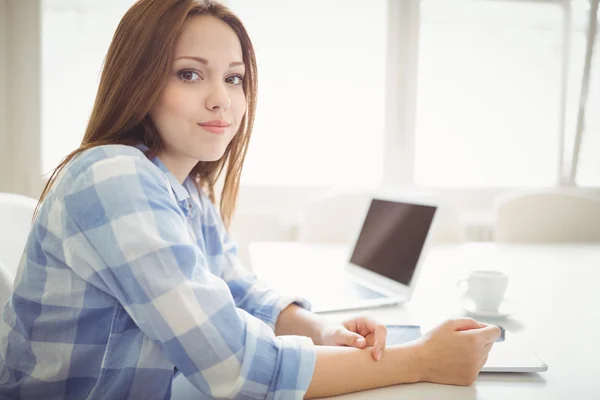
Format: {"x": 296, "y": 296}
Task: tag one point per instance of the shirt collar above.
{"x": 181, "y": 193}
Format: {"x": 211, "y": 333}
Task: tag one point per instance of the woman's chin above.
{"x": 210, "y": 157}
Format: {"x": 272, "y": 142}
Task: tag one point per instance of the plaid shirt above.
{"x": 129, "y": 276}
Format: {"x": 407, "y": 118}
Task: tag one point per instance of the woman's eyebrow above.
{"x": 205, "y": 61}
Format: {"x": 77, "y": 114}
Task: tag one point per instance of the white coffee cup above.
{"x": 486, "y": 289}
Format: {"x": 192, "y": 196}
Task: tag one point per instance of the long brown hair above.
{"x": 136, "y": 69}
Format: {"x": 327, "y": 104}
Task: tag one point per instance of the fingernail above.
{"x": 360, "y": 341}
{"x": 378, "y": 356}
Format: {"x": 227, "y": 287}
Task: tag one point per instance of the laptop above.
{"x": 385, "y": 260}
{"x": 507, "y": 355}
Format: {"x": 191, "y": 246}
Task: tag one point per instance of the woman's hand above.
{"x": 455, "y": 351}
{"x": 360, "y": 332}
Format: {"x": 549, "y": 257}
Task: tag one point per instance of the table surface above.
{"x": 555, "y": 286}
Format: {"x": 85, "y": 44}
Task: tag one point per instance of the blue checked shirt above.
{"x": 129, "y": 276}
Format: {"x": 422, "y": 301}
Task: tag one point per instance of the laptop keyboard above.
{"x": 351, "y": 290}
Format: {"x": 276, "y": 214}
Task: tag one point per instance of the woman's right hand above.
{"x": 455, "y": 351}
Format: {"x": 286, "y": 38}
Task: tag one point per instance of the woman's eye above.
{"x": 235, "y": 79}
{"x": 188, "y": 76}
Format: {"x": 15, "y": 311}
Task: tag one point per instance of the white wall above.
{"x": 3, "y": 99}
{"x": 20, "y": 96}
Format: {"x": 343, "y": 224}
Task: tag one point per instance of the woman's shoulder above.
{"x": 92, "y": 166}
{"x": 99, "y": 155}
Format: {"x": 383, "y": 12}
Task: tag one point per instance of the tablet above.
{"x": 400, "y": 334}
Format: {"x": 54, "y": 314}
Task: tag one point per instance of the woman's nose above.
{"x": 218, "y": 98}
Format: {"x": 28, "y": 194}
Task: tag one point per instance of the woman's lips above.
{"x": 219, "y": 130}
{"x": 217, "y": 127}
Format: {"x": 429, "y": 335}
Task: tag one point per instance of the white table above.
{"x": 556, "y": 285}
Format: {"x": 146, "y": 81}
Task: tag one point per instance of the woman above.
{"x": 129, "y": 275}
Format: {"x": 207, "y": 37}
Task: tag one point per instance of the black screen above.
{"x": 392, "y": 238}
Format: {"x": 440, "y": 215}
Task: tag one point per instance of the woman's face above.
{"x": 201, "y": 107}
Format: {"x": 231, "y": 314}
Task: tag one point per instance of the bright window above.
{"x": 488, "y": 93}
{"x": 488, "y": 98}
{"x": 322, "y": 79}
{"x": 75, "y": 38}
{"x": 588, "y": 172}
{"x": 320, "y": 117}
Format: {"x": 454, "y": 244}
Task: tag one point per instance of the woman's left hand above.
{"x": 359, "y": 332}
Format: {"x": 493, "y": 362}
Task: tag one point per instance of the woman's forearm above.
{"x": 345, "y": 369}
{"x": 341, "y": 369}
{"x": 295, "y": 320}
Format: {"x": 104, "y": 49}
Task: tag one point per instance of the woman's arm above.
{"x": 360, "y": 331}
{"x": 249, "y": 293}
{"x": 345, "y": 369}
{"x": 295, "y": 320}
{"x": 452, "y": 353}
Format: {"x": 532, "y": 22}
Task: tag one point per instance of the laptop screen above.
{"x": 392, "y": 238}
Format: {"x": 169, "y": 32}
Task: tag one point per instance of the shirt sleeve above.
{"x": 249, "y": 293}
{"x": 126, "y": 232}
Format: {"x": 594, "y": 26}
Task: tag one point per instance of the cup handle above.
{"x": 460, "y": 285}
